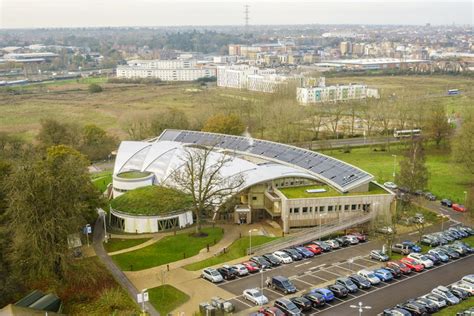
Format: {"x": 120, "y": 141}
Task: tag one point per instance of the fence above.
{"x": 313, "y": 233}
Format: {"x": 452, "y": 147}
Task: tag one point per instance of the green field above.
{"x": 166, "y": 298}
{"x": 168, "y": 249}
{"x": 102, "y": 180}
{"x": 447, "y": 179}
{"x": 116, "y": 244}
{"x": 236, "y": 250}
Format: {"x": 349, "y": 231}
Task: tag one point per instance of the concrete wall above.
{"x": 122, "y": 185}
{"x": 149, "y": 224}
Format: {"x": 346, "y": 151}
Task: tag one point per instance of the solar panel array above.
{"x": 341, "y": 174}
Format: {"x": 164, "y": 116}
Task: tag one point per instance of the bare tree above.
{"x": 200, "y": 175}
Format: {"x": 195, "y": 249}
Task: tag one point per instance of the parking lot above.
{"x": 318, "y": 271}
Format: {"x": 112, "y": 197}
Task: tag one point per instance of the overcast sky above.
{"x": 72, "y": 13}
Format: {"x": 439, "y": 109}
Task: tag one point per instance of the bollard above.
{"x": 207, "y": 247}
{"x": 240, "y": 235}
{"x": 168, "y": 267}
{"x": 131, "y": 267}
{"x": 184, "y": 255}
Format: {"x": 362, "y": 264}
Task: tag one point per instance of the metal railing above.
{"x": 310, "y": 234}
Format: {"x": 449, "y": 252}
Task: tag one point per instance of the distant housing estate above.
{"x": 166, "y": 70}
{"x": 322, "y": 93}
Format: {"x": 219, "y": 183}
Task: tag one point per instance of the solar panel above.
{"x": 336, "y": 171}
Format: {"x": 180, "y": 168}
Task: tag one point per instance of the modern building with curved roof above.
{"x": 291, "y": 185}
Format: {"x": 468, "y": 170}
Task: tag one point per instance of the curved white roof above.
{"x": 266, "y": 160}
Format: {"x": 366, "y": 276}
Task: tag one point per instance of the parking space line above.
{"x": 318, "y": 277}
{"x": 338, "y": 266}
{"x": 245, "y": 303}
{"x": 299, "y": 280}
{"x": 338, "y": 275}
{"x": 359, "y": 265}
{"x": 279, "y": 294}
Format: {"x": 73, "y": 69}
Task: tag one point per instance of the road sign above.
{"x": 140, "y": 298}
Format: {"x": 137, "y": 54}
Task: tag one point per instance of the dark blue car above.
{"x": 414, "y": 247}
{"x": 304, "y": 252}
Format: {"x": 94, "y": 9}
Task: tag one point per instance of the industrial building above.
{"x": 375, "y": 63}
{"x": 292, "y": 186}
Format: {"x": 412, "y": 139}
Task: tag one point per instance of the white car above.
{"x": 256, "y": 296}
{"x": 436, "y": 299}
{"x": 390, "y": 185}
{"x": 466, "y": 286}
{"x": 334, "y": 244}
{"x": 283, "y": 256}
{"x": 421, "y": 259}
{"x": 241, "y": 269}
{"x": 370, "y": 276}
{"x": 468, "y": 278}
{"x": 212, "y": 275}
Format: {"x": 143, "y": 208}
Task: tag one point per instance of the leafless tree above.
{"x": 200, "y": 175}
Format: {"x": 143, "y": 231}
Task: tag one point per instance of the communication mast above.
{"x": 246, "y": 12}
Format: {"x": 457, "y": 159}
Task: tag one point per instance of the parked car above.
{"x": 314, "y": 248}
{"x": 413, "y": 246}
{"x": 327, "y": 294}
{"x": 316, "y": 299}
{"x": 466, "y": 286}
{"x": 360, "y": 281}
{"x": 466, "y": 229}
{"x": 459, "y": 293}
{"x": 430, "y": 196}
{"x": 323, "y": 245}
{"x": 272, "y": 259}
{"x": 395, "y": 271}
{"x": 255, "y": 296}
{"x": 421, "y": 258}
{"x": 401, "y": 249}
{"x": 429, "y": 241}
{"x": 338, "y": 290}
{"x": 370, "y": 276}
{"x": 401, "y": 266}
{"x": 333, "y": 243}
{"x": 287, "y": 306}
{"x": 261, "y": 262}
{"x": 301, "y": 302}
{"x": 227, "y": 273}
{"x": 352, "y": 239}
{"x": 348, "y": 284}
{"x": 241, "y": 269}
{"x": 387, "y": 230}
{"x": 413, "y": 308}
{"x": 269, "y": 311}
{"x": 212, "y": 275}
{"x": 305, "y": 252}
{"x": 445, "y": 293}
{"x": 468, "y": 278}
{"x": 251, "y": 266}
{"x": 379, "y": 255}
{"x": 396, "y": 311}
{"x": 282, "y": 284}
{"x": 446, "y": 202}
{"x": 361, "y": 237}
{"x": 436, "y": 299}
{"x": 295, "y": 255}
{"x": 468, "y": 248}
{"x": 460, "y": 250}
{"x": 449, "y": 252}
{"x": 430, "y": 306}
{"x": 383, "y": 274}
{"x": 412, "y": 264}
{"x": 283, "y": 256}
{"x": 390, "y": 185}
{"x": 433, "y": 257}
{"x": 458, "y": 208}
{"x": 342, "y": 242}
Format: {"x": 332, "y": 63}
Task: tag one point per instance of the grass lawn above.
{"x": 453, "y": 310}
{"x": 469, "y": 240}
{"x": 447, "y": 179}
{"x": 133, "y": 174}
{"x": 166, "y": 298}
{"x": 168, "y": 249}
{"x": 102, "y": 180}
{"x": 116, "y": 244}
{"x": 235, "y": 251}
{"x": 300, "y": 192}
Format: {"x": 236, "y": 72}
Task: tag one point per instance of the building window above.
{"x": 339, "y": 207}
{"x": 254, "y": 198}
{"x": 305, "y": 209}
{"x": 353, "y": 207}
{"x": 346, "y": 207}
{"x": 321, "y": 209}
{"x": 330, "y": 207}
{"x": 311, "y": 209}
{"x": 291, "y": 210}
{"x": 296, "y": 210}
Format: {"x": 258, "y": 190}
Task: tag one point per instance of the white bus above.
{"x": 407, "y": 133}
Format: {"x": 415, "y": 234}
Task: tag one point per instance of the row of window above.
{"x": 329, "y": 208}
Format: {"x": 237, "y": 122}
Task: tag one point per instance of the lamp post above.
{"x": 320, "y": 227}
{"x": 143, "y": 300}
{"x": 465, "y": 197}
{"x": 360, "y": 307}
{"x": 394, "y": 166}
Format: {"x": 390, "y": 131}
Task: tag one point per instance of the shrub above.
{"x": 95, "y": 88}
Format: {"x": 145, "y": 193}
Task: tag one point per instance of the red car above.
{"x": 314, "y": 248}
{"x": 270, "y": 311}
{"x": 458, "y": 208}
{"x": 251, "y": 266}
{"x": 359, "y": 236}
{"x": 410, "y": 263}
{"x": 403, "y": 268}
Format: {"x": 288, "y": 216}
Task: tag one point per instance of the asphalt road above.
{"x": 398, "y": 292}
{"x": 339, "y": 143}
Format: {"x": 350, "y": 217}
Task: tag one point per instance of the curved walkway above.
{"x": 112, "y": 267}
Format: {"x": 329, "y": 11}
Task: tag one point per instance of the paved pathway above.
{"x": 112, "y": 267}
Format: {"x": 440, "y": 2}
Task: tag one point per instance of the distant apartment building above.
{"x": 345, "y": 48}
{"x": 321, "y": 93}
{"x": 166, "y": 70}
{"x": 250, "y": 78}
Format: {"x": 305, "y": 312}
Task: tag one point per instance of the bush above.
{"x": 95, "y": 88}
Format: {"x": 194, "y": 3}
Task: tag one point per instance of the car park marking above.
{"x": 317, "y": 277}
{"x": 325, "y": 270}
{"x": 337, "y": 265}
{"x": 302, "y": 264}
{"x": 317, "y": 267}
{"x": 358, "y": 265}
{"x": 394, "y": 283}
{"x": 413, "y": 233}
{"x": 275, "y": 292}
{"x": 299, "y": 280}
{"x": 245, "y": 303}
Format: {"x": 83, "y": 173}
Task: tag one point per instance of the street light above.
{"x": 250, "y": 239}
{"x": 465, "y": 197}
{"x": 143, "y": 300}
{"x": 360, "y": 307}
{"x": 394, "y": 165}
